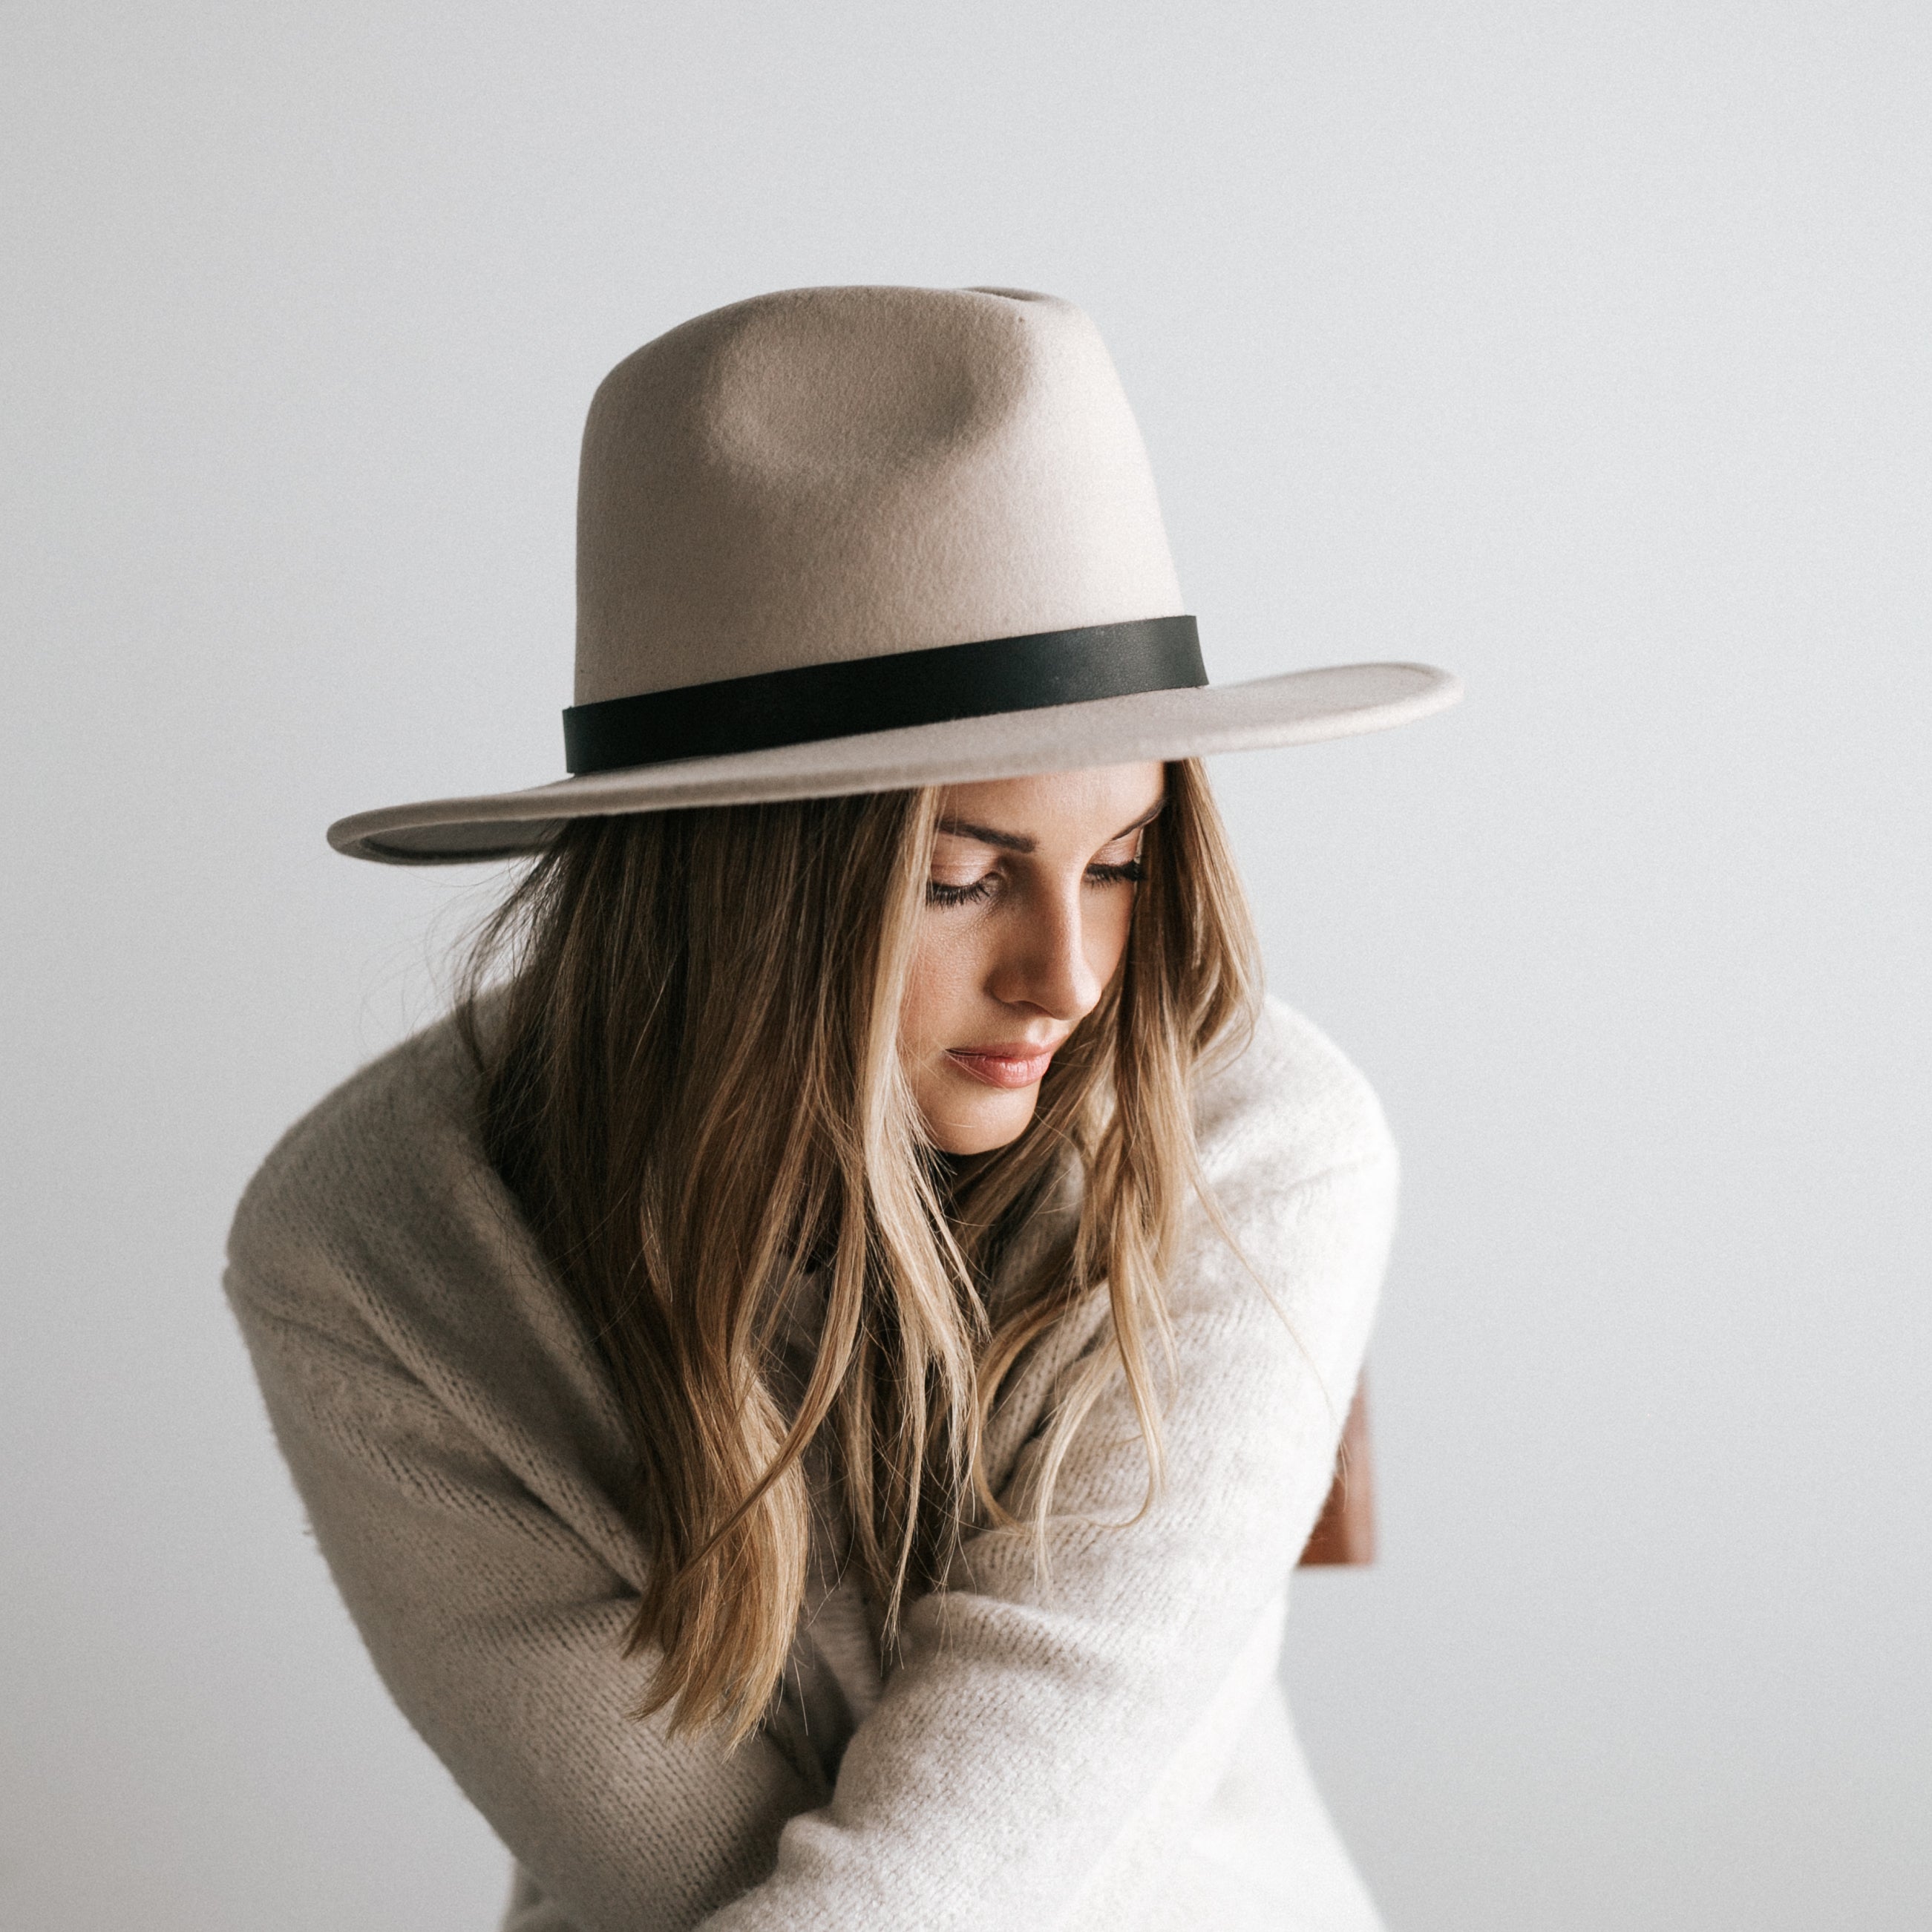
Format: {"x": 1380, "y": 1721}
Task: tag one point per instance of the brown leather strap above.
{"x": 1345, "y": 1532}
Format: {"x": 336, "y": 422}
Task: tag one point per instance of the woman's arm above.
{"x": 1033, "y": 1745}
{"x": 450, "y": 1438}
{"x": 499, "y": 1634}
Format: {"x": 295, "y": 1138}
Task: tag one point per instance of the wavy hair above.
{"x": 692, "y": 1082}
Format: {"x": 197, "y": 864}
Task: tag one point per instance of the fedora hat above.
{"x": 849, "y": 539}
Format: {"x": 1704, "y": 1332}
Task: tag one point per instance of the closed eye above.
{"x": 937, "y": 894}
{"x": 1127, "y": 872}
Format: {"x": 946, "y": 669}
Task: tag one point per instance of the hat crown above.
{"x": 827, "y": 475}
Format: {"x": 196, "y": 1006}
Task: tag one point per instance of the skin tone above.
{"x": 1030, "y": 899}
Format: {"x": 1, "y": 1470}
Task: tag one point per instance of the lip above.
{"x": 1010, "y": 1064}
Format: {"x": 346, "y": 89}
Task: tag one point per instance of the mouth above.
{"x": 1007, "y": 1065}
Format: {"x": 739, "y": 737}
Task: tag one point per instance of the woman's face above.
{"x": 1026, "y": 918}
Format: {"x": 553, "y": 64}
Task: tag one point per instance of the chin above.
{"x": 978, "y": 1130}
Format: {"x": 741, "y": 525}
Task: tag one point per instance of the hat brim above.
{"x": 1295, "y": 708}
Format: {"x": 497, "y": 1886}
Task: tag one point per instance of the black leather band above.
{"x": 839, "y": 701}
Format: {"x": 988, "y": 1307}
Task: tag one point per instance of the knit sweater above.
{"x": 1101, "y": 1743}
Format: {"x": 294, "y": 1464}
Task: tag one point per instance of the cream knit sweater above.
{"x": 1107, "y": 1748}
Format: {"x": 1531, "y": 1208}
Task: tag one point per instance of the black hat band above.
{"x": 813, "y": 702}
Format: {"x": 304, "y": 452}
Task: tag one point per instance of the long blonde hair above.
{"x": 694, "y": 1088}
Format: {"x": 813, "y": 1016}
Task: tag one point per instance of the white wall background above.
{"x": 1583, "y": 349}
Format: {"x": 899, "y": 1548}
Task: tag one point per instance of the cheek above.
{"x": 1104, "y": 932}
{"x": 938, "y": 992}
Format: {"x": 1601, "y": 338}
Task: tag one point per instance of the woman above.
{"x": 812, "y": 1380}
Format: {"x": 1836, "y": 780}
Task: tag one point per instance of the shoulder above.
{"x": 1287, "y": 1099}
{"x": 1281, "y": 1269}
{"x": 392, "y": 1160}
{"x": 398, "y": 1307}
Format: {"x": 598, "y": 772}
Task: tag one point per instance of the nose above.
{"x": 1042, "y": 962}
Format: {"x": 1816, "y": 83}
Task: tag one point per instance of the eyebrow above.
{"x": 1017, "y": 842}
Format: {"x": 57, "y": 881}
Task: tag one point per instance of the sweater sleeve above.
{"x": 437, "y": 1422}
{"x": 500, "y": 1635}
{"x": 1024, "y": 1756}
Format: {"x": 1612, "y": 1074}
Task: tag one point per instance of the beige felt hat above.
{"x": 849, "y": 539}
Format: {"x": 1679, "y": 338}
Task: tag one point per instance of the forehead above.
{"x": 1059, "y": 807}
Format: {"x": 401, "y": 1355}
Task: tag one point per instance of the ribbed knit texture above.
{"x": 1105, "y": 1747}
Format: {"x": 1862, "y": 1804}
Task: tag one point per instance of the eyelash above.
{"x": 1131, "y": 872}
